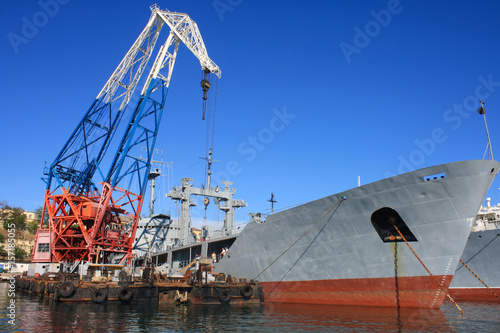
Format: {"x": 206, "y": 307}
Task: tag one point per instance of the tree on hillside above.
{"x": 38, "y": 217}
{"x": 3, "y": 251}
{"x": 32, "y": 227}
{"x": 19, "y": 253}
{"x": 17, "y": 217}
{"x": 4, "y": 210}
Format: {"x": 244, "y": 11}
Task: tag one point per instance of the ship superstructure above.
{"x": 183, "y": 243}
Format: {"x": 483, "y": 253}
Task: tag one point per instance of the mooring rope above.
{"x": 397, "y": 283}
{"x": 477, "y": 277}
{"x": 428, "y": 271}
{"x": 328, "y": 212}
{"x": 396, "y": 272}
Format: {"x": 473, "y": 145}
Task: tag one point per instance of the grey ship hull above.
{"x": 482, "y": 256}
{"x": 343, "y": 258}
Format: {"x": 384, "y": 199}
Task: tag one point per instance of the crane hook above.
{"x": 205, "y": 85}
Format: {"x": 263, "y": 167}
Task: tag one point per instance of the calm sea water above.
{"x": 34, "y": 314}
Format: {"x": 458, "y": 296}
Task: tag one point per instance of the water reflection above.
{"x": 35, "y": 314}
{"x": 350, "y": 318}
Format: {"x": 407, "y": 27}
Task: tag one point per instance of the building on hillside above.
{"x": 23, "y": 239}
{"x": 30, "y": 216}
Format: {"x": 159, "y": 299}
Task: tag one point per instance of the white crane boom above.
{"x": 124, "y": 79}
{"x": 187, "y": 31}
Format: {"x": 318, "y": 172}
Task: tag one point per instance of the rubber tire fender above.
{"x": 41, "y": 288}
{"x": 56, "y": 295}
{"x": 224, "y": 295}
{"x": 123, "y": 276}
{"x": 50, "y": 288}
{"x": 66, "y": 289}
{"x": 125, "y": 294}
{"x": 246, "y": 291}
{"x": 99, "y": 295}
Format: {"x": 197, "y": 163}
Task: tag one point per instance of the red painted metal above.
{"x": 474, "y": 294}
{"x": 414, "y": 292}
{"x": 90, "y": 227}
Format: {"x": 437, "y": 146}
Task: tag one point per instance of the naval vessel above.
{"x": 478, "y": 274}
{"x": 344, "y": 249}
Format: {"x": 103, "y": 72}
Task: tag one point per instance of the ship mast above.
{"x": 222, "y": 196}
{"x": 272, "y": 201}
{"x": 482, "y": 111}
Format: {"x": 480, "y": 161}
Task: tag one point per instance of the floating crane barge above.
{"x": 153, "y": 288}
{"x": 83, "y": 248}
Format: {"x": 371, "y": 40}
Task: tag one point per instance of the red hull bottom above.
{"x": 415, "y": 292}
{"x": 474, "y": 294}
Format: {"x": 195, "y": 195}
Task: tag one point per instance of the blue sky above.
{"x": 313, "y": 94}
